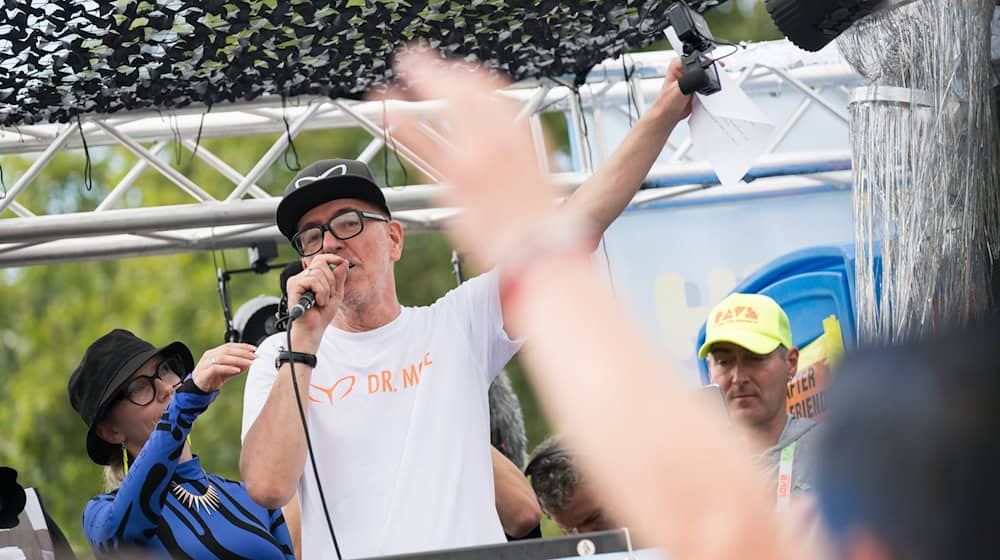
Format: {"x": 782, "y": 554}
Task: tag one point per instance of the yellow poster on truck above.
{"x": 806, "y": 391}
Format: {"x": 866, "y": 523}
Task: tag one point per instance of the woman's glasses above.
{"x": 141, "y": 390}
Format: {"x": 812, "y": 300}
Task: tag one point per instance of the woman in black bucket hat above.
{"x": 139, "y": 403}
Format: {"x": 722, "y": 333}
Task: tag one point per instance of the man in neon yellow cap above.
{"x": 750, "y": 355}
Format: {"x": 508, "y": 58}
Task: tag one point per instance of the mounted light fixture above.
{"x": 812, "y": 24}
{"x": 256, "y": 319}
{"x": 261, "y": 316}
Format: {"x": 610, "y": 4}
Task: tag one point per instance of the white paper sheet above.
{"x": 727, "y": 129}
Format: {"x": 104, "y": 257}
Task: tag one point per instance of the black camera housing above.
{"x": 690, "y": 26}
{"x": 700, "y": 73}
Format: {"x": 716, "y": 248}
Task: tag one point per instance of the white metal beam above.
{"x": 79, "y": 249}
{"x": 109, "y": 232}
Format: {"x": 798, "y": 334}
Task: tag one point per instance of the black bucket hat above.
{"x": 107, "y": 364}
{"x": 323, "y": 181}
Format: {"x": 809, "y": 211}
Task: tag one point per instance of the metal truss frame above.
{"x": 245, "y": 216}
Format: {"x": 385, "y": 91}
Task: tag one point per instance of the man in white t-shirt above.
{"x": 395, "y": 397}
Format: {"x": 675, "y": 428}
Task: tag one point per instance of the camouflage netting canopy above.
{"x": 62, "y": 59}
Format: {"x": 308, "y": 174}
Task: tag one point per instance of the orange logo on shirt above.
{"x": 381, "y": 382}
{"x": 329, "y": 391}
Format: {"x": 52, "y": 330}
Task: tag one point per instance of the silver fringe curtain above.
{"x": 925, "y": 155}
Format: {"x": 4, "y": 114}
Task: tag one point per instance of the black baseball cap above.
{"x": 107, "y": 364}
{"x": 323, "y": 181}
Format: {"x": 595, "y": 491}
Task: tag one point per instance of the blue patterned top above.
{"x": 143, "y": 516}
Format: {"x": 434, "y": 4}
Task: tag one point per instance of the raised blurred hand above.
{"x": 493, "y": 172}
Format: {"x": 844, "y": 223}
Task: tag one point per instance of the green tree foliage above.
{"x": 740, "y": 20}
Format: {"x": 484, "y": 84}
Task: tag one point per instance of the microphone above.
{"x": 308, "y": 299}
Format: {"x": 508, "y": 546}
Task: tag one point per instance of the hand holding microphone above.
{"x": 308, "y": 298}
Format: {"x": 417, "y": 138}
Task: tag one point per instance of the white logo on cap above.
{"x": 303, "y": 181}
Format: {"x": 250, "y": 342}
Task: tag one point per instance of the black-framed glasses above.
{"x": 343, "y": 226}
{"x": 141, "y": 390}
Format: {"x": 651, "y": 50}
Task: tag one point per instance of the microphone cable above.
{"x": 305, "y": 429}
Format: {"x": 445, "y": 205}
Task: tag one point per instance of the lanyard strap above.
{"x": 785, "y": 475}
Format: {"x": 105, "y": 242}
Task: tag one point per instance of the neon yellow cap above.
{"x": 753, "y": 321}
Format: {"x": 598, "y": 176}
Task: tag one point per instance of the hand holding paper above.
{"x": 727, "y": 129}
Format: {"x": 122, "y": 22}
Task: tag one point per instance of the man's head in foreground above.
{"x": 907, "y": 463}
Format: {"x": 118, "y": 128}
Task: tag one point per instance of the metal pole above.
{"x": 536, "y": 100}
{"x": 223, "y": 168}
{"x": 379, "y": 132}
{"x": 175, "y": 176}
{"x": 136, "y": 220}
{"x": 790, "y": 123}
{"x": 371, "y": 149}
{"x": 36, "y": 167}
{"x": 166, "y": 219}
{"x": 272, "y": 154}
{"x": 20, "y": 210}
{"x": 126, "y": 183}
{"x": 124, "y": 246}
{"x": 538, "y": 134}
{"x": 809, "y": 92}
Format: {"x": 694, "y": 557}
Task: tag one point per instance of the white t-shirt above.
{"x": 399, "y": 422}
